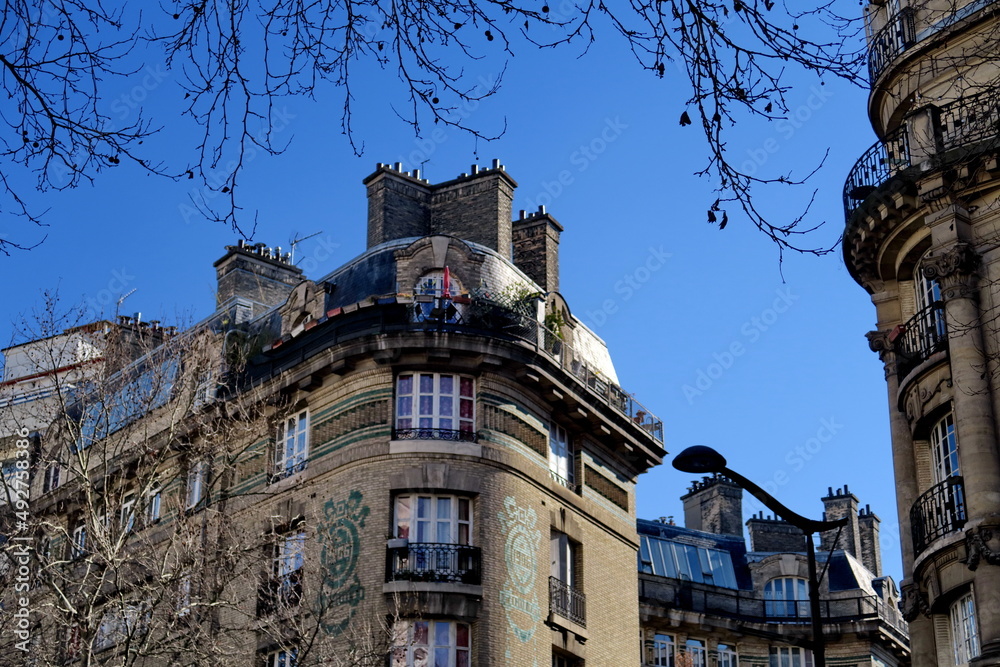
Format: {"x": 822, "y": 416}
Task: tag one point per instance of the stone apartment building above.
{"x": 705, "y": 599}
{"x": 423, "y": 453}
{"x": 921, "y": 239}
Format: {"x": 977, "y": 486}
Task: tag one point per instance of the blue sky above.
{"x": 775, "y": 374}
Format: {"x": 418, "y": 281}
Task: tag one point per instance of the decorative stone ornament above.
{"x": 914, "y": 602}
{"x": 982, "y": 543}
{"x": 955, "y": 269}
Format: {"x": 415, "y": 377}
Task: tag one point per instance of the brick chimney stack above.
{"x": 871, "y": 551}
{"x": 473, "y": 207}
{"x": 769, "y": 535}
{"x": 536, "y": 247}
{"x": 714, "y": 505}
{"x": 262, "y": 275}
{"x": 839, "y": 504}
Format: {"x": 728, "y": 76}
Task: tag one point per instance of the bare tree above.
{"x": 236, "y": 60}
{"x": 144, "y": 543}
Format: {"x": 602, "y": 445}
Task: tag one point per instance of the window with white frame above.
{"x": 427, "y": 643}
{"x": 435, "y": 406}
{"x": 790, "y": 656}
{"x": 726, "y": 656}
{"x": 282, "y": 657}
{"x": 126, "y": 514}
{"x": 291, "y": 450}
{"x": 964, "y": 631}
{"x": 696, "y": 652}
{"x": 662, "y": 651}
{"x": 944, "y": 449}
{"x": 434, "y": 518}
{"x": 787, "y": 597}
{"x": 184, "y": 588}
{"x": 153, "y": 501}
{"x": 197, "y": 477}
{"x": 78, "y": 541}
{"x": 289, "y": 556}
{"x": 120, "y": 623}
{"x": 560, "y": 455}
{"x": 51, "y": 480}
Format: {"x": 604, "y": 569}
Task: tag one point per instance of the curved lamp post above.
{"x": 700, "y": 459}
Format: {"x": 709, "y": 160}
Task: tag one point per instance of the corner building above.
{"x": 922, "y": 217}
{"x": 449, "y": 454}
{"x": 498, "y": 455}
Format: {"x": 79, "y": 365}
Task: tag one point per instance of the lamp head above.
{"x": 699, "y": 459}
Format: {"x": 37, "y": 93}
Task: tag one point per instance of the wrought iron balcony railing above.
{"x": 875, "y": 167}
{"x": 967, "y": 123}
{"x": 424, "y": 561}
{"x": 567, "y": 601}
{"x": 937, "y": 512}
{"x": 751, "y": 607}
{"x": 923, "y": 334}
{"x": 434, "y": 434}
{"x": 894, "y": 38}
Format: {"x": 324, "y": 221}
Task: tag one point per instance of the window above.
{"x": 433, "y": 285}
{"x": 560, "y": 455}
{"x": 126, "y": 515}
{"x": 566, "y": 596}
{"x": 50, "y": 481}
{"x": 662, "y": 651}
{"x": 184, "y": 586}
{"x": 932, "y": 323}
{"x": 791, "y": 656}
{"x": 562, "y": 557}
{"x": 435, "y": 405}
{"x": 944, "y": 449}
{"x": 285, "y": 657}
{"x": 292, "y": 445}
{"x": 121, "y": 623}
{"x": 78, "y": 541}
{"x": 787, "y": 597}
{"x": 726, "y": 656}
{"x": 686, "y": 561}
{"x": 283, "y": 585}
{"x": 696, "y": 653}
{"x": 433, "y": 518}
{"x": 288, "y": 559}
{"x": 431, "y": 644}
{"x": 197, "y": 473}
{"x": 964, "y": 631}
{"x": 153, "y": 500}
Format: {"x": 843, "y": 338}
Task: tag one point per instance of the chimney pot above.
{"x": 399, "y": 166}
{"x": 496, "y": 163}
{"x": 475, "y": 169}
{"x": 541, "y": 209}
{"x": 416, "y": 174}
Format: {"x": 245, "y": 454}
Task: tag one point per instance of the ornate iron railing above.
{"x": 424, "y": 561}
{"x": 875, "y": 167}
{"x": 895, "y": 37}
{"x": 751, "y": 607}
{"x": 969, "y": 120}
{"x": 434, "y": 434}
{"x": 937, "y": 512}
{"x": 967, "y": 123}
{"x": 923, "y": 334}
{"x": 567, "y": 601}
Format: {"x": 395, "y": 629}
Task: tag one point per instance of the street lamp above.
{"x": 700, "y": 459}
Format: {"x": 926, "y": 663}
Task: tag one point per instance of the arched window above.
{"x": 787, "y": 597}
{"x": 944, "y": 449}
{"x": 929, "y": 304}
{"x": 428, "y": 293}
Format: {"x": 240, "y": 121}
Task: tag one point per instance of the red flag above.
{"x": 445, "y": 292}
